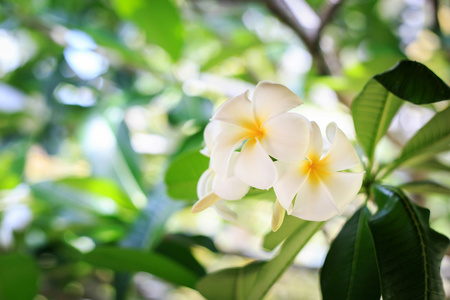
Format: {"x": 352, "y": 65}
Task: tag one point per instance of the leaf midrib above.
{"x": 410, "y": 210}
{"x": 355, "y": 251}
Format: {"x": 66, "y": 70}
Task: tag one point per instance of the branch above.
{"x": 312, "y": 41}
{"x": 285, "y": 14}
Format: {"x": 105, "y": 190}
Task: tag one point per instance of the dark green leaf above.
{"x": 253, "y": 281}
{"x": 414, "y": 82}
{"x": 159, "y": 19}
{"x": 350, "y": 269}
{"x": 131, "y": 260}
{"x": 183, "y": 174}
{"x": 18, "y": 277}
{"x": 426, "y": 186}
{"x": 179, "y": 251}
{"x": 408, "y": 251}
{"x": 372, "y": 111}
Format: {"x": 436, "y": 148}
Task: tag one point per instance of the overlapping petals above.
{"x": 263, "y": 128}
{"x": 313, "y": 188}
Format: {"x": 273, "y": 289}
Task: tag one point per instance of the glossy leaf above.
{"x": 183, "y": 174}
{"x": 408, "y": 250}
{"x": 159, "y": 19}
{"x": 350, "y": 269}
{"x": 426, "y": 186}
{"x": 253, "y": 281}
{"x": 414, "y": 82}
{"x": 372, "y": 111}
{"x": 131, "y": 260}
{"x": 18, "y": 277}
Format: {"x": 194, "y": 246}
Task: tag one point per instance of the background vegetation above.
{"x": 102, "y": 101}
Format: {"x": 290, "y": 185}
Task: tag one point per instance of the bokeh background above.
{"x": 97, "y": 98}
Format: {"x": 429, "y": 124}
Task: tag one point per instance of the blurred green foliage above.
{"x": 102, "y": 110}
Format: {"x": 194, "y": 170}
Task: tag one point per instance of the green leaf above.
{"x": 408, "y": 251}
{"x": 253, "y": 281}
{"x": 432, "y": 138}
{"x": 18, "y": 277}
{"x": 372, "y": 112}
{"x": 350, "y": 269}
{"x": 131, "y": 260}
{"x": 183, "y": 174}
{"x": 290, "y": 225}
{"x": 414, "y": 82}
{"x": 426, "y": 186}
{"x": 180, "y": 251}
{"x": 102, "y": 187}
{"x": 159, "y": 19}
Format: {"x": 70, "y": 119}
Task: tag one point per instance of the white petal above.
{"x": 314, "y": 203}
{"x": 204, "y": 185}
{"x": 270, "y": 99}
{"x": 254, "y": 166}
{"x": 277, "y": 216}
{"x": 286, "y": 136}
{"x": 229, "y": 138}
{"x": 210, "y": 134}
{"x": 205, "y": 202}
{"x": 341, "y": 155}
{"x": 316, "y": 144}
{"x": 237, "y": 111}
{"x": 344, "y": 186}
{"x": 231, "y": 188}
{"x": 289, "y": 182}
{"x": 224, "y": 211}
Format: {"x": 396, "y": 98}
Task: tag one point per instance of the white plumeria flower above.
{"x": 319, "y": 189}
{"x": 265, "y": 129}
{"x": 213, "y": 188}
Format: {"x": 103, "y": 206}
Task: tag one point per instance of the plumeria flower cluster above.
{"x": 259, "y": 143}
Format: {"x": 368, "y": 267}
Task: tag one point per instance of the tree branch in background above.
{"x": 283, "y": 11}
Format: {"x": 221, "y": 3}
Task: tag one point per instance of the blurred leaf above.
{"x": 60, "y": 195}
{"x": 12, "y": 163}
{"x": 414, "y": 82}
{"x": 408, "y": 251}
{"x": 426, "y": 186}
{"x": 350, "y": 269}
{"x": 18, "y": 277}
{"x": 433, "y": 165}
{"x": 195, "y": 240}
{"x": 253, "y": 281}
{"x": 432, "y": 138}
{"x": 102, "y": 187}
{"x": 147, "y": 230}
{"x": 183, "y": 174}
{"x": 159, "y": 19}
{"x": 290, "y": 224}
{"x": 107, "y": 146}
{"x": 372, "y": 111}
{"x": 109, "y": 40}
{"x": 180, "y": 251}
{"x": 195, "y": 109}
{"x": 131, "y": 260}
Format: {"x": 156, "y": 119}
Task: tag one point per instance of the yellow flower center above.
{"x": 258, "y": 133}
{"x": 315, "y": 169}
